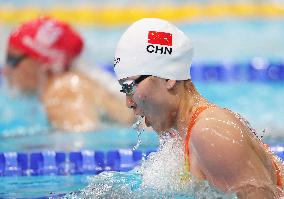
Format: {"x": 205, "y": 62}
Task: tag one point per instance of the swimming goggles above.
{"x": 129, "y": 87}
{"x": 13, "y": 60}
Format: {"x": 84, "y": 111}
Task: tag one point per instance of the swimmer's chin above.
{"x": 148, "y": 125}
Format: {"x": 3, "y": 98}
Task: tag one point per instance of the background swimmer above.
{"x": 219, "y": 146}
{"x": 39, "y": 58}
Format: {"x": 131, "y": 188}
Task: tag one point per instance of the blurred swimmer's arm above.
{"x": 68, "y": 103}
{"x": 230, "y": 161}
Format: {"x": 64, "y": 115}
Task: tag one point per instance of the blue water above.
{"x": 253, "y": 100}
{"x": 260, "y": 103}
{"x": 34, "y": 186}
{"x": 48, "y": 186}
{"x": 237, "y": 40}
{"x": 20, "y": 113}
{"x": 103, "y": 140}
{"x": 123, "y": 185}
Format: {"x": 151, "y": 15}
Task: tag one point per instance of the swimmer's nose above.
{"x": 130, "y": 102}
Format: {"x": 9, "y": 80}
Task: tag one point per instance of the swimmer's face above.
{"x": 150, "y": 99}
{"x": 23, "y": 72}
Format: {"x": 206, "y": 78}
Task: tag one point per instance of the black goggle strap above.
{"x": 141, "y": 78}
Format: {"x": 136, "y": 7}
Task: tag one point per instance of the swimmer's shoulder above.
{"x": 219, "y": 120}
{"x": 68, "y": 86}
{"x": 75, "y": 77}
{"x": 217, "y": 131}
{"x": 69, "y": 99}
{"x": 73, "y": 81}
{"x": 215, "y": 114}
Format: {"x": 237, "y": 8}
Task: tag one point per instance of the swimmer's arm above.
{"x": 229, "y": 161}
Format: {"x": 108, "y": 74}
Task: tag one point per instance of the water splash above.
{"x": 157, "y": 177}
{"x": 138, "y": 127}
{"x": 161, "y": 170}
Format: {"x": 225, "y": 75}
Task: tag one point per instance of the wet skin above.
{"x": 223, "y": 150}
{"x": 147, "y": 102}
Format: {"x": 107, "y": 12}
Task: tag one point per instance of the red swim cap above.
{"x": 48, "y": 40}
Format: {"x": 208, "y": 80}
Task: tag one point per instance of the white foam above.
{"x": 157, "y": 177}
{"x": 162, "y": 169}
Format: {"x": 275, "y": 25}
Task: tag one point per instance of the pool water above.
{"x": 103, "y": 140}
{"x": 157, "y": 177}
{"x": 110, "y": 184}
{"x": 106, "y": 185}
{"x": 24, "y": 126}
{"x": 251, "y": 99}
{"x": 41, "y": 186}
{"x": 259, "y": 102}
{"x": 22, "y": 112}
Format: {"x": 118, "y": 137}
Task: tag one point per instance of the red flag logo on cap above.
{"x": 162, "y": 38}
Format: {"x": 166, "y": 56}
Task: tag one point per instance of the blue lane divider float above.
{"x": 122, "y": 160}
{"x": 73, "y": 163}
{"x": 12, "y": 163}
{"x": 86, "y": 162}
{"x": 46, "y": 163}
{"x": 256, "y": 69}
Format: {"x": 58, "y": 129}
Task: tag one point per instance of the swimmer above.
{"x": 152, "y": 62}
{"x": 40, "y": 56}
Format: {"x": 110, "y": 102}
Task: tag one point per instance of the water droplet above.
{"x": 138, "y": 127}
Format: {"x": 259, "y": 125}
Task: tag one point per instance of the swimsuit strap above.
{"x": 277, "y": 168}
{"x": 192, "y": 122}
{"x": 278, "y": 175}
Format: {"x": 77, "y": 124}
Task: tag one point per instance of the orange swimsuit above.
{"x": 187, "y": 140}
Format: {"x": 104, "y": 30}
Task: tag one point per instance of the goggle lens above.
{"x": 13, "y": 61}
{"x": 129, "y": 87}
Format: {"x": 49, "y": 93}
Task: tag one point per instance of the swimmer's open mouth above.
{"x": 147, "y": 122}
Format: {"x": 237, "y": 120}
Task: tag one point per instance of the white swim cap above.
{"x": 155, "y": 47}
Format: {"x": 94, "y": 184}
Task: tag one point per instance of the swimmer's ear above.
{"x": 170, "y": 83}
